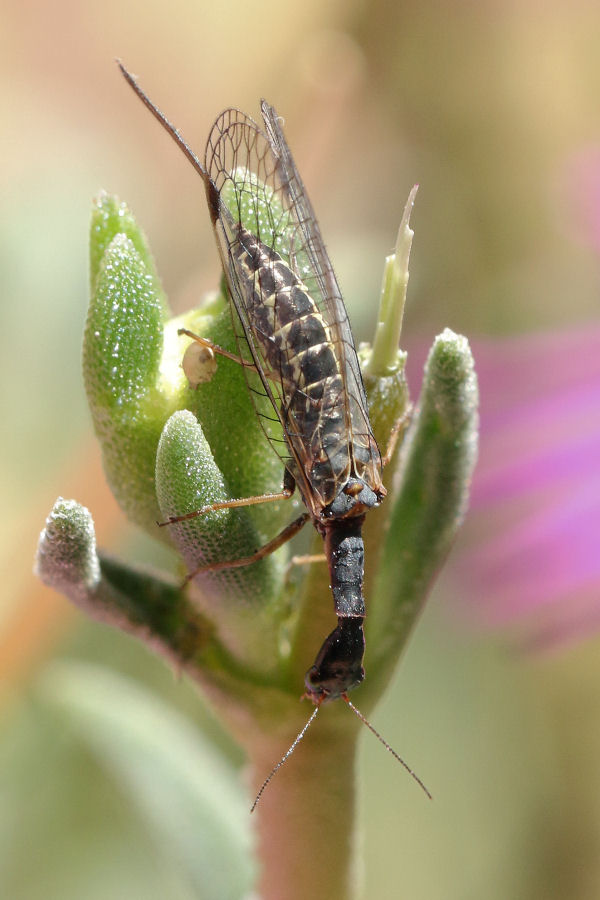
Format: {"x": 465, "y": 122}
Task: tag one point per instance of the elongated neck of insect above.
{"x": 344, "y": 550}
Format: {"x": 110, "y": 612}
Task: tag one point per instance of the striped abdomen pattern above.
{"x": 300, "y": 352}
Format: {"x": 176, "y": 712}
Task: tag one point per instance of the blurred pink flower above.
{"x": 582, "y": 195}
{"x": 531, "y": 559}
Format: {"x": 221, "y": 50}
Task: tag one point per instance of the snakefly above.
{"x": 298, "y": 338}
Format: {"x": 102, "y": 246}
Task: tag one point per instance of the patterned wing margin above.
{"x": 290, "y": 309}
{"x": 367, "y": 459}
{"x": 241, "y": 167}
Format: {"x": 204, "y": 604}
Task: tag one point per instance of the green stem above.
{"x": 306, "y": 817}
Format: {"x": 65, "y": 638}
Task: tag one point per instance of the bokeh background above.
{"x": 492, "y": 107}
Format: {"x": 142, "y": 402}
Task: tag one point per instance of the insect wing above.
{"x": 362, "y": 445}
{"x": 241, "y": 168}
{"x": 264, "y": 210}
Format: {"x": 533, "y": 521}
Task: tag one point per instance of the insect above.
{"x": 300, "y": 345}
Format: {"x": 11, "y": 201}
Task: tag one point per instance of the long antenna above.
{"x": 286, "y": 756}
{"x": 366, "y": 722}
{"x": 166, "y": 124}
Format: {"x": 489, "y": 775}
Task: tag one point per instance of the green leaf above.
{"x": 109, "y": 218}
{"x": 66, "y": 556}
{"x": 436, "y": 466}
{"x": 121, "y": 362}
{"x": 187, "y": 479}
{"x": 185, "y": 792}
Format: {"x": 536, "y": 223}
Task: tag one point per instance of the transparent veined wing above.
{"x": 364, "y": 450}
{"x": 294, "y": 323}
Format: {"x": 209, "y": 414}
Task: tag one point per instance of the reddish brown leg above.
{"x": 285, "y": 494}
{"x": 400, "y": 426}
{"x": 205, "y": 342}
{"x": 283, "y": 537}
{"x": 308, "y": 559}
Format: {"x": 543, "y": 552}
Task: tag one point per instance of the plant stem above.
{"x": 306, "y": 817}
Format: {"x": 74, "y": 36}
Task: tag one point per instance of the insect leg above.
{"x": 400, "y": 426}
{"x": 285, "y": 494}
{"x": 282, "y": 538}
{"x": 205, "y": 342}
{"x": 305, "y": 560}
{"x": 308, "y": 559}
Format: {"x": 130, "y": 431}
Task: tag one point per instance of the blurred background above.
{"x": 493, "y": 109}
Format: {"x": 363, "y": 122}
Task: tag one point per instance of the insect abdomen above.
{"x": 299, "y": 347}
